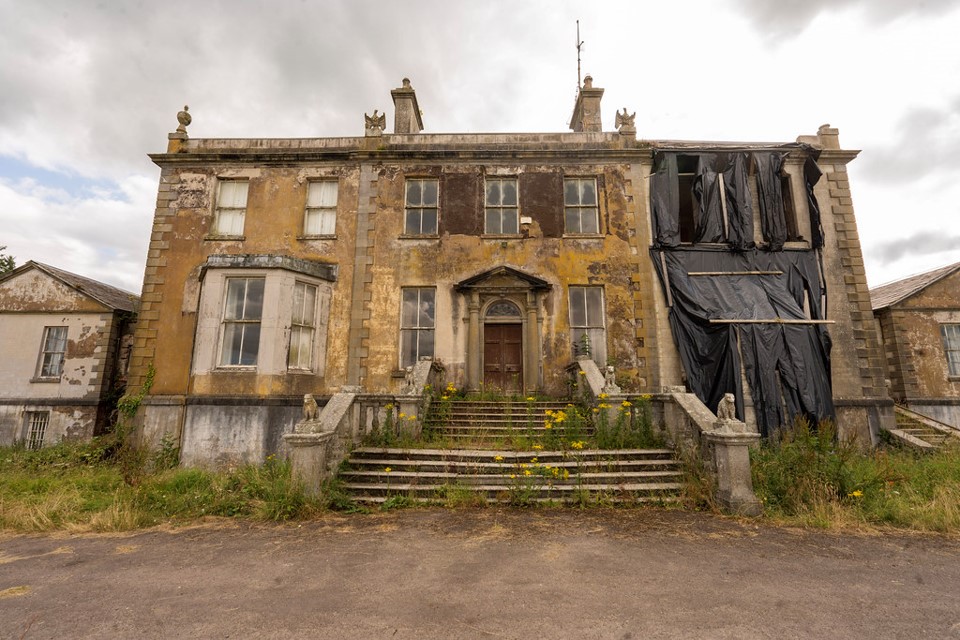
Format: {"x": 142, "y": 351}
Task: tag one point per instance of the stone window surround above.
{"x": 276, "y": 320}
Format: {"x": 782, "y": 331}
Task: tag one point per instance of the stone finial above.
{"x": 407, "y": 117}
{"x": 625, "y": 123}
{"x": 375, "y": 124}
{"x": 184, "y": 119}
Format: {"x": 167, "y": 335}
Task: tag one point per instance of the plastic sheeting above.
{"x": 786, "y": 365}
{"x": 731, "y": 220}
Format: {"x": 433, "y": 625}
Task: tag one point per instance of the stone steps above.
{"x": 426, "y": 475}
{"x": 914, "y": 431}
{"x": 489, "y": 423}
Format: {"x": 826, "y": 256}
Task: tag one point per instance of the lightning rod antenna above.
{"x": 579, "y": 45}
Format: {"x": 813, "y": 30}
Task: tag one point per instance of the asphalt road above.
{"x": 488, "y": 573}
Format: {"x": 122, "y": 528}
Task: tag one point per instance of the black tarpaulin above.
{"x": 811, "y": 175}
{"x": 786, "y": 365}
{"x": 710, "y": 226}
{"x": 773, "y": 221}
{"x": 665, "y": 200}
{"x": 739, "y": 207}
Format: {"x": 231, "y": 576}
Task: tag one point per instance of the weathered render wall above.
{"x": 916, "y": 359}
{"x": 29, "y": 303}
{"x": 182, "y": 240}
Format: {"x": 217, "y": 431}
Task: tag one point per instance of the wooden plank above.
{"x": 735, "y": 273}
{"x": 770, "y": 321}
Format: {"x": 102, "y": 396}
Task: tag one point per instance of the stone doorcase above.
{"x": 496, "y": 295}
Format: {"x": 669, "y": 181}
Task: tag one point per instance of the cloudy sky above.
{"x": 87, "y": 89}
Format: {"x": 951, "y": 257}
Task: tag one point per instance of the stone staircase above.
{"x": 921, "y": 432}
{"x": 480, "y": 424}
{"x": 484, "y": 455}
{"x": 374, "y": 475}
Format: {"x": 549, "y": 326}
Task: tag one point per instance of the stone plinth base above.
{"x": 731, "y": 461}
{"x": 308, "y": 458}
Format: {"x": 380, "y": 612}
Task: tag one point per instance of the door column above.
{"x": 473, "y": 343}
{"x": 531, "y": 365}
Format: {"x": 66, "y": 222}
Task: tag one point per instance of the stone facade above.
{"x": 467, "y": 248}
{"x": 919, "y": 320}
{"x": 64, "y": 347}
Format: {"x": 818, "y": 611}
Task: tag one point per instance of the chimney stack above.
{"x": 586, "y": 113}
{"x": 406, "y": 117}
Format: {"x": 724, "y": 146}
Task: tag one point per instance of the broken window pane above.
{"x": 417, "y": 319}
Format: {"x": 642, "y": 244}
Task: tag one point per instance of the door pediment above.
{"x": 503, "y": 277}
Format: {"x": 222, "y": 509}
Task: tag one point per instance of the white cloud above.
{"x": 90, "y": 88}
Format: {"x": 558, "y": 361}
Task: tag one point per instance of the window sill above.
{"x": 46, "y": 380}
{"x": 953, "y": 378}
{"x": 404, "y": 236}
{"x": 501, "y": 236}
{"x": 317, "y": 236}
{"x": 583, "y": 236}
{"x": 212, "y": 237}
{"x": 235, "y": 369}
{"x": 301, "y": 372}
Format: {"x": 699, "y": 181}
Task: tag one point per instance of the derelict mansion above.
{"x": 279, "y": 267}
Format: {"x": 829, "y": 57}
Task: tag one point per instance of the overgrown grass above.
{"x": 810, "y": 478}
{"x": 82, "y": 487}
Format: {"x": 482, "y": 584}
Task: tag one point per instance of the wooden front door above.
{"x": 503, "y": 356}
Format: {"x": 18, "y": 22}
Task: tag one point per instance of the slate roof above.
{"x": 103, "y": 293}
{"x": 889, "y": 294}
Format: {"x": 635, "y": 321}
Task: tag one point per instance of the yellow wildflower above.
{"x": 603, "y": 396}
{"x": 596, "y": 410}
{"x": 603, "y": 405}
{"x": 498, "y": 458}
{"x": 855, "y": 494}
{"x": 626, "y": 403}
{"x": 548, "y": 426}
{"x": 533, "y": 460}
{"x": 411, "y": 418}
{"x": 646, "y": 397}
{"x": 577, "y": 444}
{"x": 582, "y": 372}
{"x": 537, "y": 447}
{"x": 513, "y": 476}
{"x": 402, "y": 415}
{"x": 530, "y": 398}
{"x": 527, "y": 472}
{"x": 387, "y": 469}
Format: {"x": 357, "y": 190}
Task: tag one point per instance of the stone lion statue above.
{"x": 727, "y": 409}
{"x": 311, "y": 411}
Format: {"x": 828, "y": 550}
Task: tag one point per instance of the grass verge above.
{"x": 810, "y": 479}
{"x": 81, "y": 487}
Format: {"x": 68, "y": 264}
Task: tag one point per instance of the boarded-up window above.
{"x": 462, "y": 204}
{"x": 542, "y": 196}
